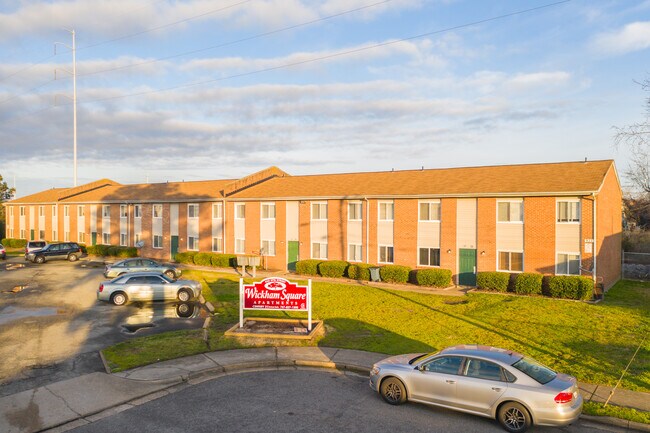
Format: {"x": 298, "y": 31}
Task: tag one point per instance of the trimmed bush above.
{"x": 203, "y": 259}
{"x": 308, "y": 267}
{"x": 111, "y": 250}
{"x": 528, "y": 284}
{"x": 432, "y": 277}
{"x": 127, "y": 252}
{"x": 224, "y": 260}
{"x": 569, "y": 287}
{"x": 14, "y": 243}
{"x": 186, "y": 257}
{"x": 359, "y": 271}
{"x": 394, "y": 273}
{"x": 333, "y": 268}
{"x": 493, "y": 281}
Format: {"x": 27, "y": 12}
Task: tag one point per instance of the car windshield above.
{"x": 421, "y": 357}
{"x": 534, "y": 369}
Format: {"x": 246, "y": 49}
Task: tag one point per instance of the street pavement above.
{"x": 79, "y": 401}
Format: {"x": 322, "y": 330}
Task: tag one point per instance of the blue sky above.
{"x": 198, "y": 89}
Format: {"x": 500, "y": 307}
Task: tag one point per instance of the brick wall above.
{"x": 229, "y": 238}
{"x": 205, "y": 227}
{"x": 539, "y": 235}
{"x": 279, "y": 261}
{"x": 115, "y": 224}
{"x": 405, "y": 232}
{"x": 336, "y": 229}
{"x": 448, "y": 235}
{"x": 304, "y": 234}
{"x": 586, "y": 232}
{"x": 373, "y": 218}
{"x": 252, "y": 233}
{"x": 486, "y": 215}
{"x": 609, "y": 230}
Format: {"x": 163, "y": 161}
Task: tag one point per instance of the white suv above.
{"x": 33, "y": 246}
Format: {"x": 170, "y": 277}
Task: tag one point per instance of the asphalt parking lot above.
{"x": 52, "y": 326}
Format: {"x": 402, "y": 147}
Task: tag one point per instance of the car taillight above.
{"x": 564, "y": 397}
{"x": 101, "y": 289}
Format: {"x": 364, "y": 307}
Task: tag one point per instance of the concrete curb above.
{"x": 608, "y": 420}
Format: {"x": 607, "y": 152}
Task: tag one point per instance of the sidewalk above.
{"x": 71, "y": 403}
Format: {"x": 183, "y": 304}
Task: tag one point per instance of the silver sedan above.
{"x": 147, "y": 286}
{"x": 140, "y": 265}
{"x": 481, "y": 380}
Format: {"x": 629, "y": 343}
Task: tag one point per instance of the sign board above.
{"x": 274, "y": 294}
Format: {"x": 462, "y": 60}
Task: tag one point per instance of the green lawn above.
{"x": 593, "y": 342}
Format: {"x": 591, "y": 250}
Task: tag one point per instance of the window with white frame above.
{"x": 137, "y": 210}
{"x": 22, "y": 210}
{"x": 55, "y": 235}
{"x": 106, "y": 238}
{"x": 511, "y": 261}
{"x": 81, "y": 237}
{"x": 81, "y": 210}
{"x": 386, "y": 211}
{"x": 66, "y": 210}
{"x": 240, "y": 246}
{"x": 240, "y": 211}
{"x": 106, "y": 211}
{"x": 355, "y": 211}
{"x": 22, "y": 234}
{"x": 510, "y": 211}
{"x": 41, "y": 234}
{"x": 319, "y": 211}
{"x": 568, "y": 264}
{"x": 268, "y": 247}
{"x": 53, "y": 211}
{"x": 137, "y": 237}
{"x": 192, "y": 243}
{"x": 386, "y": 254}
{"x": 41, "y": 211}
{"x": 66, "y": 236}
{"x": 217, "y": 210}
{"x": 354, "y": 253}
{"x": 11, "y": 233}
{"x": 124, "y": 211}
{"x": 568, "y": 211}
{"x": 268, "y": 211}
{"x": 429, "y": 257}
{"x": 192, "y": 210}
{"x": 318, "y": 250}
{"x": 157, "y": 241}
{"x": 157, "y": 210}
{"x": 217, "y": 245}
{"x": 123, "y": 239}
{"x": 429, "y": 211}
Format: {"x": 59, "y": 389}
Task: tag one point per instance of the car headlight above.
{"x": 375, "y": 370}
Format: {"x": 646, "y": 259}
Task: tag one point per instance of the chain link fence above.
{"x": 636, "y": 266}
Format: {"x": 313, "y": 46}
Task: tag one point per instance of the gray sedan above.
{"x": 140, "y": 265}
{"x": 147, "y": 286}
{"x": 481, "y": 380}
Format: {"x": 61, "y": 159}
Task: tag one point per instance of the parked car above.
{"x": 61, "y": 251}
{"x": 32, "y": 246}
{"x": 3, "y": 252}
{"x": 140, "y": 265}
{"x": 147, "y": 286}
{"x": 512, "y": 388}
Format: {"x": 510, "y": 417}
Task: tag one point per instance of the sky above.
{"x": 171, "y": 90}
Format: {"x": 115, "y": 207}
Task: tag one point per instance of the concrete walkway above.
{"x": 71, "y": 403}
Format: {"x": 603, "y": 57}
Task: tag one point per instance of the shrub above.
{"x": 528, "y": 284}
{"x": 493, "y": 281}
{"x": 570, "y": 287}
{"x": 432, "y": 277}
{"x": 307, "y": 267}
{"x": 333, "y": 268}
{"x": 14, "y": 243}
{"x": 394, "y": 273}
{"x": 359, "y": 271}
{"x": 127, "y": 252}
{"x": 186, "y": 257}
{"x": 111, "y": 250}
{"x": 224, "y": 260}
{"x": 203, "y": 259}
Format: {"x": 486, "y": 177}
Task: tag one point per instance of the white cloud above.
{"x": 632, "y": 37}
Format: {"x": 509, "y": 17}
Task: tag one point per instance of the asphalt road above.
{"x": 294, "y": 401}
{"x": 53, "y": 328}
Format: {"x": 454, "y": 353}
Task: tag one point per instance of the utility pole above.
{"x": 74, "y": 98}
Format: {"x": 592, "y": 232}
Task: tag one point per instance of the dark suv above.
{"x": 66, "y": 251}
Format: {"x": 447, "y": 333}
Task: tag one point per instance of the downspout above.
{"x": 223, "y": 223}
{"x": 367, "y": 229}
{"x": 593, "y": 221}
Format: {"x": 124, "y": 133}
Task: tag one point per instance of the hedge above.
{"x": 14, "y": 243}
{"x": 394, "y": 273}
{"x": 224, "y": 260}
{"x": 528, "y": 284}
{"x": 333, "y": 268}
{"x": 570, "y": 287}
{"x": 186, "y": 257}
{"x": 112, "y": 250}
{"x": 203, "y": 259}
{"x": 432, "y": 277}
{"x": 493, "y": 281}
{"x": 308, "y": 267}
{"x": 359, "y": 271}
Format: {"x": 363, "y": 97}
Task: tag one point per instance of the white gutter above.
{"x": 593, "y": 221}
{"x": 223, "y": 224}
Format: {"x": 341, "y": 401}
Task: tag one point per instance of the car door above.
{"x": 148, "y": 265}
{"x": 133, "y": 265}
{"x": 158, "y": 286}
{"x": 480, "y": 385}
{"x": 435, "y": 380}
{"x": 52, "y": 252}
{"x": 139, "y": 288}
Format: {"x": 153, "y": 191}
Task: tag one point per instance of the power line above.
{"x": 26, "y": 68}
{"x": 26, "y": 92}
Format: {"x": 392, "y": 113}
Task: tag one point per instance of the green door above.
{"x": 174, "y": 246}
{"x": 93, "y": 238}
{"x": 31, "y": 235}
{"x": 467, "y": 267}
{"x": 292, "y": 254}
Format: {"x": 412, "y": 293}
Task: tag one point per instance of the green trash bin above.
{"x": 374, "y": 273}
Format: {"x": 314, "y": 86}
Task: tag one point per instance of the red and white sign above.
{"x": 274, "y": 294}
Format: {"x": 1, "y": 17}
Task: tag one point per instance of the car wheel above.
{"x": 73, "y": 257}
{"x": 170, "y": 274}
{"x": 39, "y": 259}
{"x": 119, "y": 298}
{"x": 184, "y": 295}
{"x": 514, "y": 417}
{"x": 393, "y": 391}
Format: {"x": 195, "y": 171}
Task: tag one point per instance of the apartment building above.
{"x": 558, "y": 218}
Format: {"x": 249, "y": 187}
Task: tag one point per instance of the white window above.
{"x": 41, "y": 234}
{"x": 217, "y": 210}
{"x": 66, "y": 211}
{"x": 106, "y": 211}
{"x": 53, "y": 211}
{"x": 510, "y": 211}
{"x": 157, "y": 210}
{"x": 11, "y": 211}
{"x": 66, "y": 236}
{"x": 11, "y": 233}
{"x": 81, "y": 211}
{"x": 386, "y": 212}
{"x": 429, "y": 256}
{"x": 568, "y": 264}
{"x": 81, "y": 237}
{"x": 511, "y": 261}
{"x": 157, "y": 241}
{"x": 22, "y": 210}
{"x": 137, "y": 211}
{"x": 41, "y": 211}
{"x": 22, "y": 234}
{"x": 123, "y": 239}
{"x": 106, "y": 238}
{"x": 192, "y": 210}
{"x": 568, "y": 211}
{"x": 268, "y": 248}
{"x": 429, "y": 211}
{"x": 217, "y": 245}
{"x": 192, "y": 243}
{"x": 268, "y": 211}
{"x": 354, "y": 211}
{"x": 318, "y": 250}
{"x": 240, "y": 246}
{"x": 240, "y": 210}
{"x": 354, "y": 253}
{"x": 319, "y": 212}
{"x": 124, "y": 211}
{"x": 55, "y": 235}
{"x": 385, "y": 254}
